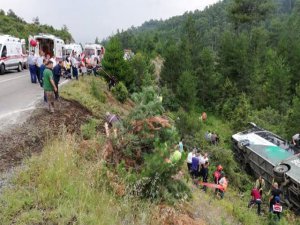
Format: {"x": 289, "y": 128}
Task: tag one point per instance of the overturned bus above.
{"x": 263, "y": 153}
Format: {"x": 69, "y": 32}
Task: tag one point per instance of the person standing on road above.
{"x": 74, "y": 63}
{"x": 39, "y": 63}
{"x": 56, "y": 76}
{"x": 32, "y": 67}
{"x": 49, "y": 85}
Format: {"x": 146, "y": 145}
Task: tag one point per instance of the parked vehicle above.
{"x": 94, "y": 51}
{"x": 24, "y": 54}
{"x": 49, "y": 44}
{"x": 72, "y": 48}
{"x": 11, "y": 57}
{"x": 275, "y": 159}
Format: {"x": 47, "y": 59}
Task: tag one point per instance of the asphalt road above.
{"x": 18, "y": 97}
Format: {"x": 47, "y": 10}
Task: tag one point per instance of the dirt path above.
{"x": 22, "y": 141}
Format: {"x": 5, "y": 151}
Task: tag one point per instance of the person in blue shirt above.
{"x": 56, "y": 76}
{"x": 195, "y": 166}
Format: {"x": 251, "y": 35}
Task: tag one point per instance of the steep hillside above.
{"x": 11, "y": 24}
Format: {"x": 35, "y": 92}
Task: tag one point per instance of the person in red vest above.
{"x": 256, "y": 199}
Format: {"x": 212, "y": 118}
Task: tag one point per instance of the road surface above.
{"x": 18, "y": 97}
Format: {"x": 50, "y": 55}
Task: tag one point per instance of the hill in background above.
{"x": 13, "y": 25}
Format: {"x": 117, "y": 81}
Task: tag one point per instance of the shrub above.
{"x": 96, "y": 92}
{"x": 120, "y": 92}
{"x": 88, "y": 130}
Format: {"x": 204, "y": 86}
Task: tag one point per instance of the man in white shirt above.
{"x": 39, "y": 63}
{"x": 189, "y": 159}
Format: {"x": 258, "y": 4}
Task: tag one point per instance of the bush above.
{"x": 96, "y": 92}
{"x": 120, "y": 92}
{"x": 88, "y": 130}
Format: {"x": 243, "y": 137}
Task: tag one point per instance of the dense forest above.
{"x": 12, "y": 24}
{"x": 237, "y": 58}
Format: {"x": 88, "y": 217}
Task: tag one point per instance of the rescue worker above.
{"x": 180, "y": 145}
{"x": 111, "y": 119}
{"x": 260, "y": 185}
{"x": 32, "y": 67}
{"x": 276, "y": 192}
{"x": 189, "y": 160}
{"x": 224, "y": 183}
{"x": 256, "y": 199}
{"x": 49, "y": 85}
{"x": 39, "y": 63}
{"x": 204, "y": 173}
{"x": 56, "y": 76}
{"x": 195, "y": 166}
{"x": 217, "y": 174}
{"x": 296, "y": 139}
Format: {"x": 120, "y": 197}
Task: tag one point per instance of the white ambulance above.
{"x": 49, "y": 44}
{"x": 92, "y": 49}
{"x": 72, "y": 48}
{"x": 11, "y": 57}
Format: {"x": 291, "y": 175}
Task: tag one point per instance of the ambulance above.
{"x": 72, "y": 48}
{"x": 11, "y": 57}
{"x": 49, "y": 44}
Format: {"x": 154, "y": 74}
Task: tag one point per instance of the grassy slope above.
{"x": 66, "y": 184}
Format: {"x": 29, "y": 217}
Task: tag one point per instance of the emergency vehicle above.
{"x": 49, "y": 44}
{"x": 11, "y": 57}
{"x": 92, "y": 50}
{"x": 24, "y": 54}
{"x": 72, "y": 48}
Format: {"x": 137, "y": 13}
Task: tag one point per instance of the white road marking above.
{"x": 2, "y": 81}
{"x": 16, "y": 111}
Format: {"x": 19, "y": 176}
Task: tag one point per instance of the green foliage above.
{"x": 156, "y": 182}
{"x": 139, "y": 73}
{"x": 120, "y": 92}
{"x": 187, "y": 90}
{"x": 240, "y": 116}
{"x": 88, "y": 130}
{"x": 96, "y": 92}
{"x": 293, "y": 116}
{"x": 147, "y": 104}
{"x": 113, "y": 61}
{"x": 14, "y": 25}
{"x": 250, "y": 11}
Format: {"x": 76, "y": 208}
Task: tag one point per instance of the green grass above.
{"x": 92, "y": 93}
{"x": 60, "y": 187}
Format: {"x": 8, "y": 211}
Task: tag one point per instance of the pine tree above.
{"x": 187, "y": 90}
{"x": 293, "y": 116}
{"x": 113, "y": 61}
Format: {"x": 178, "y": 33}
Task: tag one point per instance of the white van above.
{"x": 24, "y": 54}
{"x": 10, "y": 54}
{"x": 92, "y": 49}
{"x": 49, "y": 44}
{"x": 72, "y": 47}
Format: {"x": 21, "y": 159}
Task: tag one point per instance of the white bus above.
{"x": 11, "y": 57}
{"x": 49, "y": 44}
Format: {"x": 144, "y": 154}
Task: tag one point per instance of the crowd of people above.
{"x": 47, "y": 71}
{"x": 259, "y": 189}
